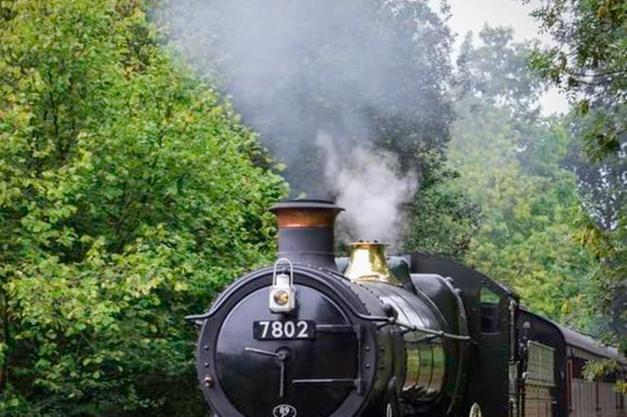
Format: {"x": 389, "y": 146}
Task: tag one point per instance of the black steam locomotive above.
{"x": 370, "y": 336}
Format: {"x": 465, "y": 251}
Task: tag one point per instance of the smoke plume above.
{"x": 366, "y": 73}
{"x": 369, "y": 187}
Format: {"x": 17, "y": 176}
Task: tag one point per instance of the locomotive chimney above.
{"x": 306, "y": 230}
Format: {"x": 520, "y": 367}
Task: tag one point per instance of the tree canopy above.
{"x": 512, "y": 163}
{"x": 588, "y": 62}
{"x": 132, "y": 191}
{"x": 124, "y": 184}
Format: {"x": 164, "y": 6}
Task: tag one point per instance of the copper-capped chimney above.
{"x": 306, "y": 231}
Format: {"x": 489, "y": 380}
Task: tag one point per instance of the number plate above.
{"x": 284, "y": 330}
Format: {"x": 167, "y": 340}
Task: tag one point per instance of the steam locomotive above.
{"x": 377, "y": 336}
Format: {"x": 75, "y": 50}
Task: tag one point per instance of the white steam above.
{"x": 366, "y": 72}
{"x": 368, "y": 183}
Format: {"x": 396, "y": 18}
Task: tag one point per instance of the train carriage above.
{"x": 535, "y": 365}
{"x": 599, "y": 397}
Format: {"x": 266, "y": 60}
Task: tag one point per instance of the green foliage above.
{"x": 124, "y": 184}
{"x": 498, "y": 70}
{"x": 589, "y": 62}
{"x": 443, "y": 219}
{"x": 594, "y": 370}
{"x": 510, "y": 162}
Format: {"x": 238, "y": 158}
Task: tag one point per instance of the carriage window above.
{"x": 489, "y": 310}
{"x": 540, "y": 364}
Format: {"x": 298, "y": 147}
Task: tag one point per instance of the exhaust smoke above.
{"x": 328, "y": 85}
{"x": 369, "y": 184}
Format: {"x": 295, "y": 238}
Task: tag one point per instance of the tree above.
{"x": 124, "y": 185}
{"x": 511, "y": 163}
{"x": 498, "y": 71}
{"x": 588, "y": 62}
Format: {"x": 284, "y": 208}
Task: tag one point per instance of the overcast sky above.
{"x": 472, "y": 15}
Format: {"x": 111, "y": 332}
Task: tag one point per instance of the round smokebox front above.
{"x": 301, "y": 364}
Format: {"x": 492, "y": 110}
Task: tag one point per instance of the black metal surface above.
{"x": 442, "y": 294}
{"x": 399, "y": 265}
{"x": 409, "y": 309}
{"x": 488, "y": 370}
{"x": 355, "y": 365}
{"x": 327, "y": 357}
{"x": 308, "y": 246}
{"x": 337, "y": 374}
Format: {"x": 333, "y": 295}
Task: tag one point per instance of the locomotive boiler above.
{"x": 374, "y": 336}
